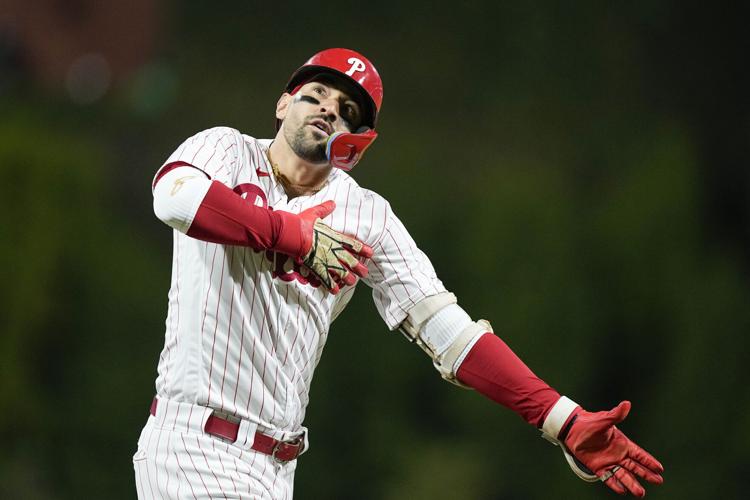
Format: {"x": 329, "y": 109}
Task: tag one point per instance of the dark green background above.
{"x": 576, "y": 171}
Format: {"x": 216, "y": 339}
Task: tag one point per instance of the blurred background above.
{"x": 577, "y": 172}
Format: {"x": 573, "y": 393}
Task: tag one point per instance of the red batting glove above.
{"x": 596, "y": 450}
{"x": 601, "y": 447}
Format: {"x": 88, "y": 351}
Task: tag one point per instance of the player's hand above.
{"x": 602, "y": 448}
{"x": 332, "y": 256}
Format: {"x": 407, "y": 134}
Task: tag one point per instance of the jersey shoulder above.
{"x": 220, "y": 135}
{"x": 217, "y": 151}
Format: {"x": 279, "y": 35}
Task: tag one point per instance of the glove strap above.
{"x": 555, "y": 431}
{"x": 556, "y": 419}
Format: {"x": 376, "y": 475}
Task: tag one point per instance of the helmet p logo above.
{"x": 357, "y": 65}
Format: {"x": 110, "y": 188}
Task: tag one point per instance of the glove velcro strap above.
{"x": 556, "y": 418}
{"x": 555, "y": 431}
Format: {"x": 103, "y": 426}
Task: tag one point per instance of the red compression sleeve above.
{"x": 224, "y": 217}
{"x": 496, "y": 372}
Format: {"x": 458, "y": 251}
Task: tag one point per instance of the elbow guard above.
{"x": 444, "y": 331}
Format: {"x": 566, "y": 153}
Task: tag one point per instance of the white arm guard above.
{"x": 444, "y": 331}
{"x": 177, "y": 196}
{"x": 551, "y": 428}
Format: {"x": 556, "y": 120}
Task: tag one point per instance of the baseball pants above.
{"x": 176, "y": 459}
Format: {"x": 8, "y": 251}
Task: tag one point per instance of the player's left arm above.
{"x": 410, "y": 297}
{"x": 594, "y": 447}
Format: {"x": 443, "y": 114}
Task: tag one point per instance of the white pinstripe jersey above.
{"x": 245, "y": 329}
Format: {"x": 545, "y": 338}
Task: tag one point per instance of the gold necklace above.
{"x": 281, "y": 178}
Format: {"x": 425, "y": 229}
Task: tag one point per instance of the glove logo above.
{"x": 357, "y": 66}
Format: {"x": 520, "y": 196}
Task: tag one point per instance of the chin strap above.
{"x": 345, "y": 149}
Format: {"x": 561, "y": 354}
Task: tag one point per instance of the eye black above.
{"x": 309, "y": 99}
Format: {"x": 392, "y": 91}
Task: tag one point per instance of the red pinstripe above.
{"x": 192, "y": 161}
{"x": 390, "y": 287}
{"x": 200, "y": 476}
{"x": 216, "y": 326}
{"x": 330, "y": 219}
{"x": 307, "y": 328}
{"x": 406, "y": 261}
{"x": 348, "y": 190}
{"x": 242, "y": 335}
{"x": 398, "y": 277}
{"x": 166, "y": 454}
{"x": 386, "y": 219}
{"x": 145, "y": 463}
{"x": 208, "y": 290}
{"x": 184, "y": 473}
{"x": 372, "y": 220}
{"x": 257, "y": 154}
{"x": 210, "y": 468}
{"x": 262, "y": 330}
{"x": 296, "y": 330}
{"x": 229, "y": 335}
{"x": 359, "y": 215}
{"x": 223, "y": 469}
{"x": 208, "y": 161}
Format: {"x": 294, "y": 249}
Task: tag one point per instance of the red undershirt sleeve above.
{"x": 224, "y": 217}
{"x": 494, "y": 370}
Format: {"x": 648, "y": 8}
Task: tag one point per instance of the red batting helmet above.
{"x": 350, "y": 65}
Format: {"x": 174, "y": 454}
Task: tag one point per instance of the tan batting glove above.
{"x": 333, "y": 255}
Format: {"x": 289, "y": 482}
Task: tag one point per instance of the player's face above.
{"x": 319, "y": 109}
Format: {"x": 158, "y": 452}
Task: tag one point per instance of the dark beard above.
{"x": 305, "y": 148}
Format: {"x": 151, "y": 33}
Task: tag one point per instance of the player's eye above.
{"x": 351, "y": 113}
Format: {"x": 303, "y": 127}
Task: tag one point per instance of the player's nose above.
{"x": 330, "y": 108}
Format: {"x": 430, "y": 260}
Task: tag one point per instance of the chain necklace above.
{"x": 286, "y": 183}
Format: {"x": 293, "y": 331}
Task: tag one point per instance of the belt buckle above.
{"x": 277, "y": 447}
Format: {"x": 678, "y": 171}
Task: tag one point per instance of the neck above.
{"x": 298, "y": 177}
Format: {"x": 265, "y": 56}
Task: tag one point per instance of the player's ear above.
{"x": 282, "y": 105}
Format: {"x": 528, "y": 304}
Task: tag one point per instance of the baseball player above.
{"x": 271, "y": 238}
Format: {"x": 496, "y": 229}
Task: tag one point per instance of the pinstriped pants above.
{"x": 176, "y": 459}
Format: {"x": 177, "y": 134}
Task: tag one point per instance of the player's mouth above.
{"x": 321, "y": 125}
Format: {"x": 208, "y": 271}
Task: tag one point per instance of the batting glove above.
{"x": 332, "y": 256}
{"x": 596, "y": 450}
